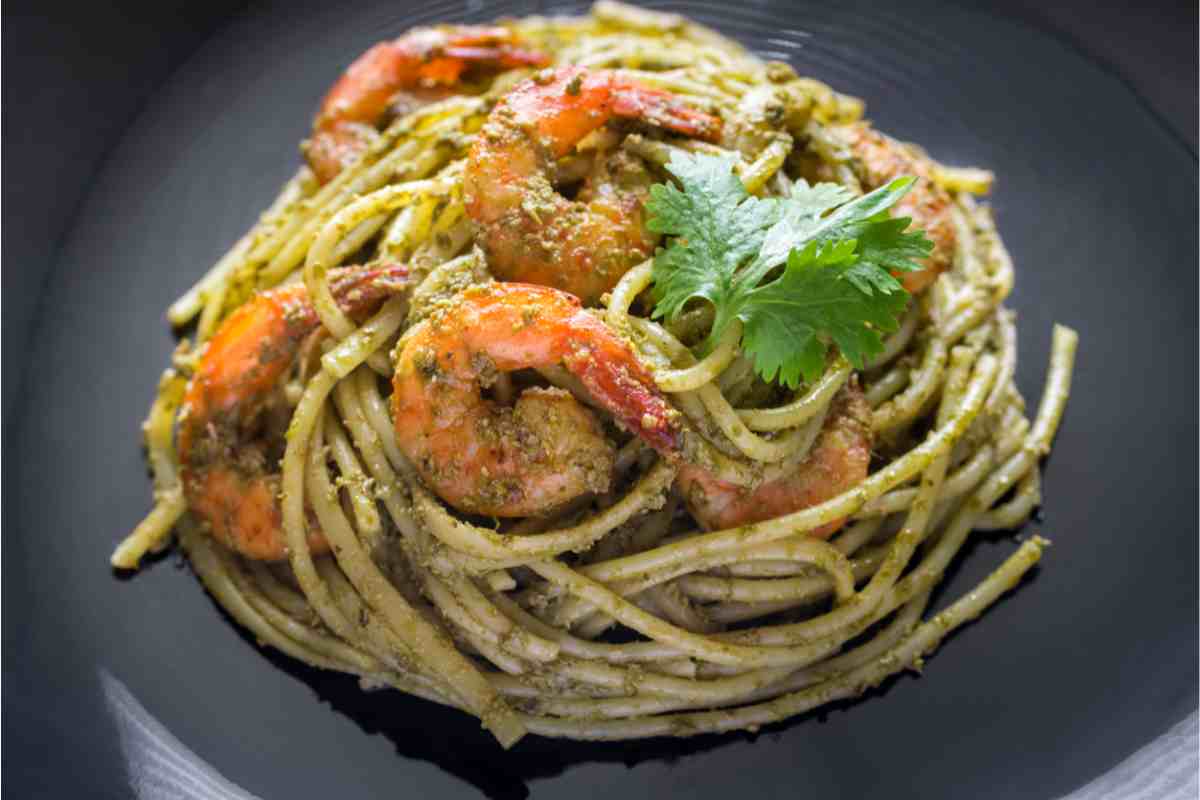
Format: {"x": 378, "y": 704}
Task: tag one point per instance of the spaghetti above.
{"x": 642, "y": 596}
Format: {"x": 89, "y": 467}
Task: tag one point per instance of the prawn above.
{"x": 417, "y": 68}
{"x": 838, "y": 461}
{"x": 234, "y": 414}
{"x": 532, "y": 233}
{"x": 881, "y": 160}
{"x": 483, "y": 457}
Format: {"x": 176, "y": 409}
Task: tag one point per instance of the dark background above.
{"x": 90, "y": 69}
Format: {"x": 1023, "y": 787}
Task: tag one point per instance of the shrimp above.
{"x": 483, "y": 457}
{"x": 882, "y": 159}
{"x": 419, "y": 67}
{"x": 838, "y": 461}
{"x": 532, "y": 233}
{"x": 234, "y": 414}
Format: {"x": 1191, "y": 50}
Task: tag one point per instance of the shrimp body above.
{"x": 485, "y": 458}
{"x": 424, "y": 63}
{"x": 530, "y": 231}
{"x": 838, "y": 461}
{"x": 234, "y": 415}
{"x": 881, "y": 160}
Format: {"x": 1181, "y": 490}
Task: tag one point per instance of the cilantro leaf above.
{"x": 798, "y": 219}
{"x": 790, "y": 321}
{"x": 717, "y": 225}
{"x": 882, "y": 243}
{"x": 838, "y": 253}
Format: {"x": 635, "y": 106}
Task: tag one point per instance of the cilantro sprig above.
{"x": 800, "y": 272}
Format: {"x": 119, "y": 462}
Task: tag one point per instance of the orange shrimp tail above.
{"x": 634, "y": 101}
{"x": 492, "y": 46}
{"x": 618, "y": 381}
{"x": 603, "y": 362}
{"x": 571, "y": 102}
{"x": 502, "y": 57}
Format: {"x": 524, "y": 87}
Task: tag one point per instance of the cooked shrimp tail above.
{"x": 664, "y": 110}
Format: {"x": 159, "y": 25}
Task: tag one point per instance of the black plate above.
{"x": 1091, "y": 658}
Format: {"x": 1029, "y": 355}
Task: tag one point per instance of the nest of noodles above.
{"x": 618, "y": 617}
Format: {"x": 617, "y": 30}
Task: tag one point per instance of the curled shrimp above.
{"x": 484, "y": 457}
{"x": 837, "y": 461}
{"x": 530, "y": 231}
{"x": 882, "y": 159}
{"x": 231, "y": 433}
{"x": 419, "y": 67}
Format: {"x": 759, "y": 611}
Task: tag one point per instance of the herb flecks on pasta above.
{"x": 760, "y": 399}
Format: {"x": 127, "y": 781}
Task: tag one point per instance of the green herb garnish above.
{"x": 800, "y": 272}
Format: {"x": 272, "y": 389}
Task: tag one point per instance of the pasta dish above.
{"x": 603, "y": 381}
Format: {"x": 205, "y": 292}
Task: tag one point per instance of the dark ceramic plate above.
{"x": 112, "y": 684}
